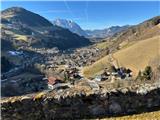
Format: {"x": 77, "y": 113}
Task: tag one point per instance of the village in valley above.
{"x": 38, "y": 69}
{"x": 57, "y": 69}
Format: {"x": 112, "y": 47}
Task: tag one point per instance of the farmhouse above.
{"x": 117, "y": 73}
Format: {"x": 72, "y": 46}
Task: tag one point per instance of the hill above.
{"x": 25, "y": 28}
{"x": 21, "y": 15}
{"x": 132, "y": 34}
{"x": 133, "y": 50}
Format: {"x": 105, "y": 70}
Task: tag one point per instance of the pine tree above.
{"x": 147, "y": 74}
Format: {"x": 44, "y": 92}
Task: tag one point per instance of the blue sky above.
{"x": 92, "y": 15}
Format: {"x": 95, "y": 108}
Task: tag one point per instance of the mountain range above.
{"x": 21, "y": 27}
{"x": 97, "y": 33}
{"x": 107, "y": 32}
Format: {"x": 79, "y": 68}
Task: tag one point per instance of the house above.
{"x": 97, "y": 78}
{"x": 123, "y": 72}
{"x": 114, "y": 73}
{"x": 53, "y": 81}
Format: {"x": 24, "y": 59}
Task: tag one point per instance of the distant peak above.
{"x": 64, "y": 20}
{"x": 70, "y": 25}
{"x": 15, "y": 9}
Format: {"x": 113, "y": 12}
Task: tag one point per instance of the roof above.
{"x": 53, "y": 80}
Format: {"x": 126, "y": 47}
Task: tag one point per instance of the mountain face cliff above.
{"x": 70, "y": 25}
{"x": 21, "y": 27}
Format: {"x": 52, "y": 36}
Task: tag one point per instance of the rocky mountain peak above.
{"x": 13, "y": 11}
{"x": 70, "y": 25}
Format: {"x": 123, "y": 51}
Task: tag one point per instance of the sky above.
{"x": 92, "y": 14}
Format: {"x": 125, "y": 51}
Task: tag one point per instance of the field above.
{"x": 136, "y": 57}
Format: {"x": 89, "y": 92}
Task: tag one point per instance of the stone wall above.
{"x": 79, "y": 105}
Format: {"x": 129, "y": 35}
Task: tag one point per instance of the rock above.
{"x": 78, "y": 103}
{"x": 17, "y": 116}
{"x": 39, "y": 96}
{"x": 13, "y": 100}
{"x": 81, "y": 94}
{"x": 93, "y": 85}
{"x": 24, "y": 98}
{"x": 124, "y": 90}
{"x": 97, "y": 110}
{"x": 149, "y": 103}
{"x": 115, "y": 108}
{"x": 131, "y": 111}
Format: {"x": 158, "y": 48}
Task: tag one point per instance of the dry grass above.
{"x": 16, "y": 36}
{"x": 96, "y": 67}
{"x": 126, "y": 44}
{"x": 104, "y": 45}
{"x": 136, "y": 57}
{"x": 20, "y": 37}
{"x": 143, "y": 116}
{"x": 8, "y": 16}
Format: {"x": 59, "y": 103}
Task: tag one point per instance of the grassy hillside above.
{"x": 135, "y": 51}
{"x": 135, "y": 57}
{"x": 138, "y": 56}
{"x": 143, "y": 116}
